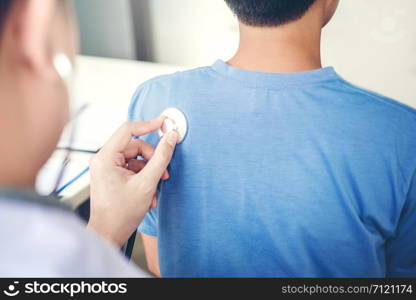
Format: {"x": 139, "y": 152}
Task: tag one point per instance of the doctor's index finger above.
{"x": 122, "y": 137}
{"x": 161, "y": 158}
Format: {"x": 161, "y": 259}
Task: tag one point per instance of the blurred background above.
{"x": 370, "y": 43}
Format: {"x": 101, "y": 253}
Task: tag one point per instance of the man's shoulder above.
{"x": 389, "y": 119}
{"x": 388, "y": 105}
{"x": 152, "y": 96}
{"x": 172, "y": 79}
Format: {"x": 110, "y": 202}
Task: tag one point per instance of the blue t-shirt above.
{"x": 283, "y": 175}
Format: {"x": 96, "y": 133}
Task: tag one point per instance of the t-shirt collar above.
{"x": 264, "y": 79}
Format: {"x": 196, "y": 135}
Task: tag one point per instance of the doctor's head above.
{"x": 274, "y": 13}
{"x": 33, "y": 94}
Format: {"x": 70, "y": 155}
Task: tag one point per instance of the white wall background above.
{"x": 370, "y": 42}
{"x": 373, "y": 44}
{"x": 107, "y": 28}
{"x": 192, "y": 32}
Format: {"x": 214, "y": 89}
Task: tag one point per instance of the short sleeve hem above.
{"x": 147, "y": 230}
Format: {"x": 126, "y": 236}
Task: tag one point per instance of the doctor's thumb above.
{"x": 162, "y": 156}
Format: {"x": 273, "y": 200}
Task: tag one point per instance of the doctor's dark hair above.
{"x": 269, "y": 13}
{"x": 4, "y": 9}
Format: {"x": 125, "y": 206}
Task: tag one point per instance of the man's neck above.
{"x": 294, "y": 47}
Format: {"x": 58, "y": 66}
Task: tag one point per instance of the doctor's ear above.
{"x": 29, "y": 37}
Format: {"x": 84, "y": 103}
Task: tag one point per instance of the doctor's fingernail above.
{"x": 172, "y": 138}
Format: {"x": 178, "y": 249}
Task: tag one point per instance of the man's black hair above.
{"x": 4, "y": 9}
{"x": 269, "y": 13}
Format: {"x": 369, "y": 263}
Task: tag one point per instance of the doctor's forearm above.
{"x": 105, "y": 233}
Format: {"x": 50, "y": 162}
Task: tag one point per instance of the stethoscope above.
{"x": 175, "y": 121}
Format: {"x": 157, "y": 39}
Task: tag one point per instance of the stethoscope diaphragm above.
{"x": 175, "y": 120}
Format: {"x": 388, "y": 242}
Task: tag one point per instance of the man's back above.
{"x": 298, "y": 174}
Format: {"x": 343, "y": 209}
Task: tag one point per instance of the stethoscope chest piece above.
{"x": 175, "y": 120}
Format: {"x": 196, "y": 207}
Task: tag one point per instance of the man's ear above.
{"x": 28, "y": 32}
{"x": 330, "y": 8}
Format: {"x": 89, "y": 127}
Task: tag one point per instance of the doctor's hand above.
{"x": 123, "y": 189}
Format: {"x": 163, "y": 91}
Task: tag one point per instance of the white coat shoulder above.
{"x": 42, "y": 241}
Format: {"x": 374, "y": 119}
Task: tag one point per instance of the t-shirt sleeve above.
{"x": 401, "y": 248}
{"x": 136, "y": 104}
{"x": 135, "y": 113}
{"x": 149, "y": 224}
